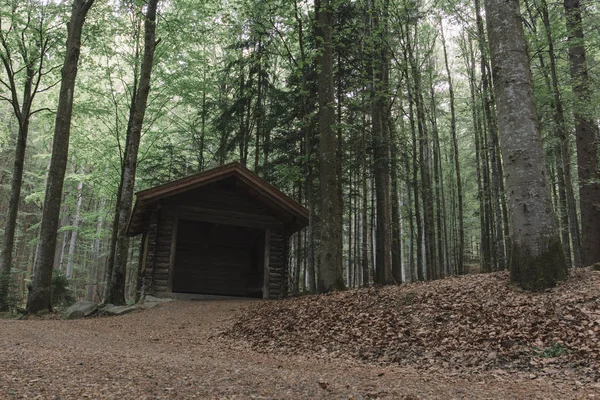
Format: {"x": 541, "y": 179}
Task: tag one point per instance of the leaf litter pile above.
{"x": 464, "y": 324}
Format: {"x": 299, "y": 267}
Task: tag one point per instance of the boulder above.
{"x": 110, "y": 309}
{"x": 81, "y": 309}
{"x": 151, "y": 299}
{"x": 148, "y": 305}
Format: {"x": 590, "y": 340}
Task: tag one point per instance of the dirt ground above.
{"x": 176, "y": 351}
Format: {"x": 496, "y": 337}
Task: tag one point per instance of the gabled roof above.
{"x": 265, "y": 192}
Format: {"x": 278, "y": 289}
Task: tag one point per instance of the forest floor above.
{"x": 334, "y": 346}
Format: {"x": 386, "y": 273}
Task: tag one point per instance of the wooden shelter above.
{"x": 224, "y": 231}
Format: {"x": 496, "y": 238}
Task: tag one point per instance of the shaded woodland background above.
{"x": 416, "y": 138}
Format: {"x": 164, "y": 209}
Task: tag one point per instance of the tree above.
{"x": 330, "y": 275}
{"x": 381, "y": 142}
{"x": 536, "y": 256}
{"x": 39, "y": 293}
{"x": 116, "y": 292}
{"x": 459, "y": 190}
{"x": 29, "y": 37}
{"x": 586, "y": 132}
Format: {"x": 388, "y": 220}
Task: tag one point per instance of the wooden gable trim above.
{"x": 264, "y": 189}
{"x": 233, "y": 169}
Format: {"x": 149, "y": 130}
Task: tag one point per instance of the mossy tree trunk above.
{"x": 586, "y": 134}
{"x": 330, "y": 276}
{"x": 537, "y": 259}
{"x": 39, "y": 294}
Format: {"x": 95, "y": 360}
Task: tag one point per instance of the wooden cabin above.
{"x": 224, "y": 231}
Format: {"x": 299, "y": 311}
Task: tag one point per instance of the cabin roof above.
{"x": 262, "y": 190}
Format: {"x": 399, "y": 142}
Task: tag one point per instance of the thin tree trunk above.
{"x": 23, "y": 113}
{"x": 299, "y": 248}
{"x": 493, "y": 149}
{"x": 586, "y": 134}
{"x": 396, "y": 228}
{"x": 565, "y": 201}
{"x": 415, "y": 168}
{"x": 484, "y": 241}
{"x": 459, "y": 193}
{"x": 410, "y": 276}
{"x": 569, "y": 205}
{"x": 10, "y": 226}
{"x": 75, "y": 225}
{"x": 39, "y": 294}
{"x": 365, "y": 192}
{"x": 115, "y": 225}
{"x": 116, "y": 292}
{"x": 96, "y": 251}
{"x": 380, "y": 147}
{"x": 437, "y": 175}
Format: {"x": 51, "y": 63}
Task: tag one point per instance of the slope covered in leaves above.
{"x": 469, "y": 323}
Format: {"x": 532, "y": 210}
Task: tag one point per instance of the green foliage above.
{"x": 62, "y": 294}
{"x": 214, "y": 60}
{"x": 14, "y": 297}
{"x": 555, "y": 350}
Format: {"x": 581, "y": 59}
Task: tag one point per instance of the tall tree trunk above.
{"x": 308, "y": 133}
{"x": 459, "y": 193}
{"x": 202, "y": 131}
{"x": 493, "y": 148}
{"x": 22, "y": 112}
{"x": 410, "y": 275}
{"x": 481, "y": 193}
{"x": 116, "y": 292}
{"x": 39, "y": 293}
{"x": 426, "y": 189}
{"x": 259, "y": 110}
{"x": 437, "y": 179}
{"x": 96, "y": 251}
{"x": 381, "y": 145}
{"x": 330, "y": 267}
{"x": 110, "y": 260}
{"x": 365, "y": 209}
{"x": 563, "y": 207}
{"x": 586, "y": 133}
{"x": 415, "y": 187}
{"x": 396, "y": 228}
{"x": 566, "y": 198}
{"x": 75, "y": 225}
{"x": 428, "y": 227}
{"x": 10, "y": 224}
{"x": 299, "y": 249}
{"x": 537, "y": 259}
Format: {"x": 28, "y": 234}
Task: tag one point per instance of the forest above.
{"x": 426, "y": 138}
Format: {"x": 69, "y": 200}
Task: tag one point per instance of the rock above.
{"x": 80, "y": 309}
{"x": 148, "y": 305}
{"x": 151, "y": 299}
{"x": 110, "y": 309}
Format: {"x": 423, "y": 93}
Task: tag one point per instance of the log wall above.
{"x": 277, "y": 265}
{"x": 216, "y": 206}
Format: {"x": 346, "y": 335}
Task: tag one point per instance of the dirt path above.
{"x": 175, "y": 352}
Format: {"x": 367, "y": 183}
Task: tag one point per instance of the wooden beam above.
{"x": 172, "y": 255}
{"x": 266, "y": 274}
{"x": 227, "y": 217}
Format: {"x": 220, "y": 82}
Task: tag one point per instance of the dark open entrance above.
{"x": 218, "y": 259}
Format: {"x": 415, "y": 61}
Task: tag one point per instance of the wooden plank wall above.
{"x": 277, "y": 265}
{"x": 163, "y": 252}
{"x": 150, "y": 252}
{"x": 212, "y": 203}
